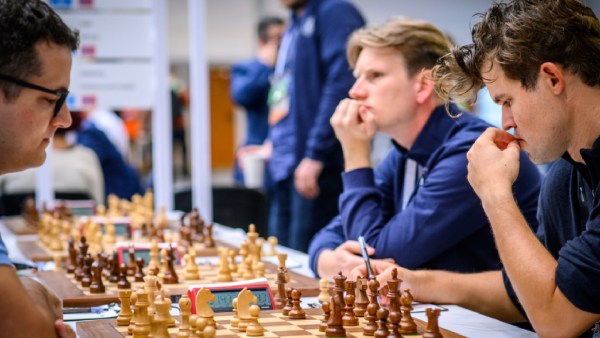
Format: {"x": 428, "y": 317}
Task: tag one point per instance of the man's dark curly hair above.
{"x": 23, "y": 23}
{"x": 520, "y": 35}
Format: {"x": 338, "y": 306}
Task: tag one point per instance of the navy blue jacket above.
{"x": 120, "y": 178}
{"x": 321, "y": 78}
{"x": 443, "y": 225}
{"x": 569, "y": 219}
{"x": 250, "y": 84}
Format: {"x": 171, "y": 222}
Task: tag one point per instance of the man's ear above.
{"x": 552, "y": 76}
{"x": 424, "y": 86}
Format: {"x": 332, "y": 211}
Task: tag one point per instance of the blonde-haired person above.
{"x": 538, "y": 59}
{"x": 416, "y": 208}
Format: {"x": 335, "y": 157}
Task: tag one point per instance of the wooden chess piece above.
{"x": 72, "y": 256}
{"x": 254, "y": 328}
{"x": 232, "y": 264}
{"x": 273, "y": 244}
{"x": 235, "y": 319}
{"x": 193, "y": 326}
{"x": 96, "y": 285}
{"x": 393, "y": 294}
{"x": 282, "y": 257}
{"x": 123, "y": 283}
{"x": 136, "y": 312}
{"x": 362, "y": 300}
{"x": 139, "y": 273}
{"x": 324, "y": 296}
{"x": 131, "y": 266}
{"x": 288, "y": 305}
{"x": 296, "y": 312}
{"x": 125, "y": 314}
{"x": 280, "y": 295}
{"x": 407, "y": 324}
{"x": 371, "y": 315}
{"x": 393, "y": 324}
{"x": 142, "y": 323}
{"x": 203, "y": 309}
{"x": 113, "y": 261}
{"x": 382, "y": 330}
{"x": 260, "y": 269}
{"x": 244, "y": 298}
{"x": 349, "y": 318}
{"x": 210, "y": 332}
{"x": 191, "y": 269}
{"x": 339, "y": 285}
{"x": 326, "y": 314}
{"x": 86, "y": 280}
{"x": 224, "y": 274}
{"x": 335, "y": 325}
{"x": 433, "y": 329}
{"x": 170, "y": 275}
{"x": 161, "y": 317}
{"x": 208, "y": 240}
{"x": 201, "y": 325}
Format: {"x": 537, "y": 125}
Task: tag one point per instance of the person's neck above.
{"x": 584, "y": 109}
{"x": 406, "y": 134}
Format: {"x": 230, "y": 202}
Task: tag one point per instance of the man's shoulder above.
{"x": 336, "y": 8}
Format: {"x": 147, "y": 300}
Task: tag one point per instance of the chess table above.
{"x": 274, "y": 323}
{"x": 73, "y": 295}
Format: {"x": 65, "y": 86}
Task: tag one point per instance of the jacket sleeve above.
{"x": 330, "y": 237}
{"x": 250, "y": 83}
{"x": 444, "y": 210}
{"x": 335, "y": 24}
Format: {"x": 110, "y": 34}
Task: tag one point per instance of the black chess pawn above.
{"x": 114, "y": 267}
{"x": 349, "y": 318}
{"x": 326, "y": 314}
{"x": 131, "y": 266}
{"x": 86, "y": 279}
{"x": 382, "y": 330}
{"x": 393, "y": 324}
{"x": 208, "y": 239}
{"x": 72, "y": 261}
{"x": 96, "y": 285}
{"x": 139, "y": 273}
{"x": 296, "y": 312}
{"x": 123, "y": 283}
{"x": 288, "y": 306}
{"x": 371, "y": 315}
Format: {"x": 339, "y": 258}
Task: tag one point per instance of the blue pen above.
{"x": 363, "y": 250}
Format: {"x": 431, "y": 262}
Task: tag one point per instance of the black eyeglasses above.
{"x": 61, "y": 93}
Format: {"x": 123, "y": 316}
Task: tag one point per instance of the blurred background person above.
{"x": 311, "y": 77}
{"x": 250, "y": 85}
{"x": 120, "y": 177}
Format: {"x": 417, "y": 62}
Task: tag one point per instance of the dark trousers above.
{"x": 293, "y": 219}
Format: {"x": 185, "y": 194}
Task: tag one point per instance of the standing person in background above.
{"x": 35, "y": 68}
{"x": 251, "y": 81}
{"x": 311, "y": 77}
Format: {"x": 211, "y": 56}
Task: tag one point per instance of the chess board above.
{"x": 73, "y": 295}
{"x": 19, "y": 225}
{"x": 274, "y": 323}
{"x": 37, "y": 252}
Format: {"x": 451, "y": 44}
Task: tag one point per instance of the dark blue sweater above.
{"x": 321, "y": 78}
{"x": 569, "y": 218}
{"x": 250, "y": 84}
{"x": 443, "y": 225}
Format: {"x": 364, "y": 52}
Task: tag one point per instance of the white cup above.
{"x": 253, "y": 166}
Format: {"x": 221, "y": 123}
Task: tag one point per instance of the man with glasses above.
{"x": 35, "y": 66}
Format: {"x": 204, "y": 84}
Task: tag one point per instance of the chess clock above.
{"x": 225, "y": 293}
{"x": 122, "y": 225}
